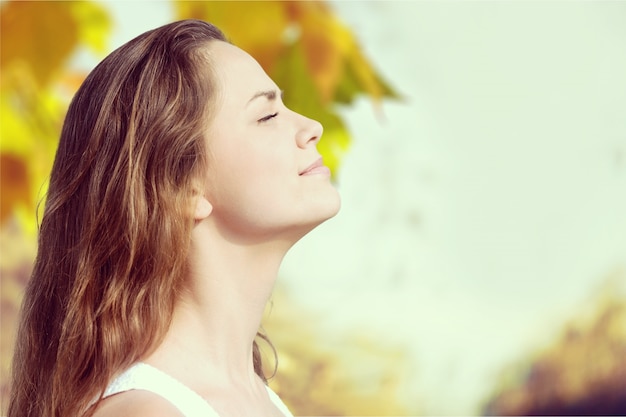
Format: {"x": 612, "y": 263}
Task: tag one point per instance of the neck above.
{"x": 217, "y": 319}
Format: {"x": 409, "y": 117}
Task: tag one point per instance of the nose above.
{"x": 310, "y": 132}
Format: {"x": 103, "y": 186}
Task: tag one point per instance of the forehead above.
{"x": 238, "y": 76}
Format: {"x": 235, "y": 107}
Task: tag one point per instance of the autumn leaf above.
{"x": 257, "y": 27}
{"x": 334, "y": 58}
{"x": 40, "y": 35}
{"x": 38, "y": 39}
{"x": 94, "y": 25}
{"x": 266, "y": 29}
{"x": 14, "y": 183}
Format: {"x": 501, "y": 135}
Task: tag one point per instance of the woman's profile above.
{"x": 179, "y": 183}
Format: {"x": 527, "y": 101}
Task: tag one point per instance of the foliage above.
{"x": 581, "y": 373}
{"x": 38, "y": 38}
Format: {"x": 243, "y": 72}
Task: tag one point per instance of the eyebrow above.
{"x": 269, "y": 94}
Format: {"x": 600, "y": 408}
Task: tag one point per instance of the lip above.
{"x": 316, "y": 168}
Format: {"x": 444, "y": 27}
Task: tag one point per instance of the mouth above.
{"x": 316, "y": 167}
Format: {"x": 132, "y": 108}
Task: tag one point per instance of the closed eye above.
{"x": 268, "y": 117}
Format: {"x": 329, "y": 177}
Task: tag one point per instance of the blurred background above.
{"x": 478, "y": 265}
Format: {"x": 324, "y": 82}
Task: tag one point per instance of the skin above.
{"x": 251, "y": 207}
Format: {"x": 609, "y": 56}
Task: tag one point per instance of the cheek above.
{"x": 249, "y": 177}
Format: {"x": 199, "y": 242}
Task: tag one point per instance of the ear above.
{"x": 203, "y": 208}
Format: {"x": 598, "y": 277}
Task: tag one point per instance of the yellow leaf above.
{"x": 326, "y": 43}
{"x": 333, "y": 56}
{"x": 258, "y": 27}
{"x": 368, "y": 79}
{"x": 14, "y": 183}
{"x": 40, "y": 34}
{"x": 30, "y": 121}
{"x": 94, "y": 25}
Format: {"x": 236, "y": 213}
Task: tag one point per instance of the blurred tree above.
{"x": 581, "y": 373}
{"x": 38, "y": 39}
{"x": 325, "y": 374}
{"x": 302, "y": 46}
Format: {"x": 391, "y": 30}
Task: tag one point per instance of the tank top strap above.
{"x": 279, "y": 403}
{"x": 142, "y": 376}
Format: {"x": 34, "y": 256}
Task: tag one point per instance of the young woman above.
{"x": 180, "y": 182}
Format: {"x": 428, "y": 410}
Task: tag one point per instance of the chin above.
{"x": 336, "y": 206}
{"x": 291, "y": 226}
{"x": 329, "y": 206}
{"x": 326, "y": 210}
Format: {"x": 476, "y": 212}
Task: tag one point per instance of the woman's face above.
{"x": 265, "y": 174}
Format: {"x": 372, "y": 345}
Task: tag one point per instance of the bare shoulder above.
{"x": 136, "y": 403}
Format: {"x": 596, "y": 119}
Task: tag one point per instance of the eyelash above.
{"x": 267, "y": 118}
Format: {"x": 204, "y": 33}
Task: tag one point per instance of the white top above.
{"x": 142, "y": 376}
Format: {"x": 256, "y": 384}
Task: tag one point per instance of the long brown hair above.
{"x": 116, "y": 227}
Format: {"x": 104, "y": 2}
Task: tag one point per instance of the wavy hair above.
{"x": 116, "y": 228}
